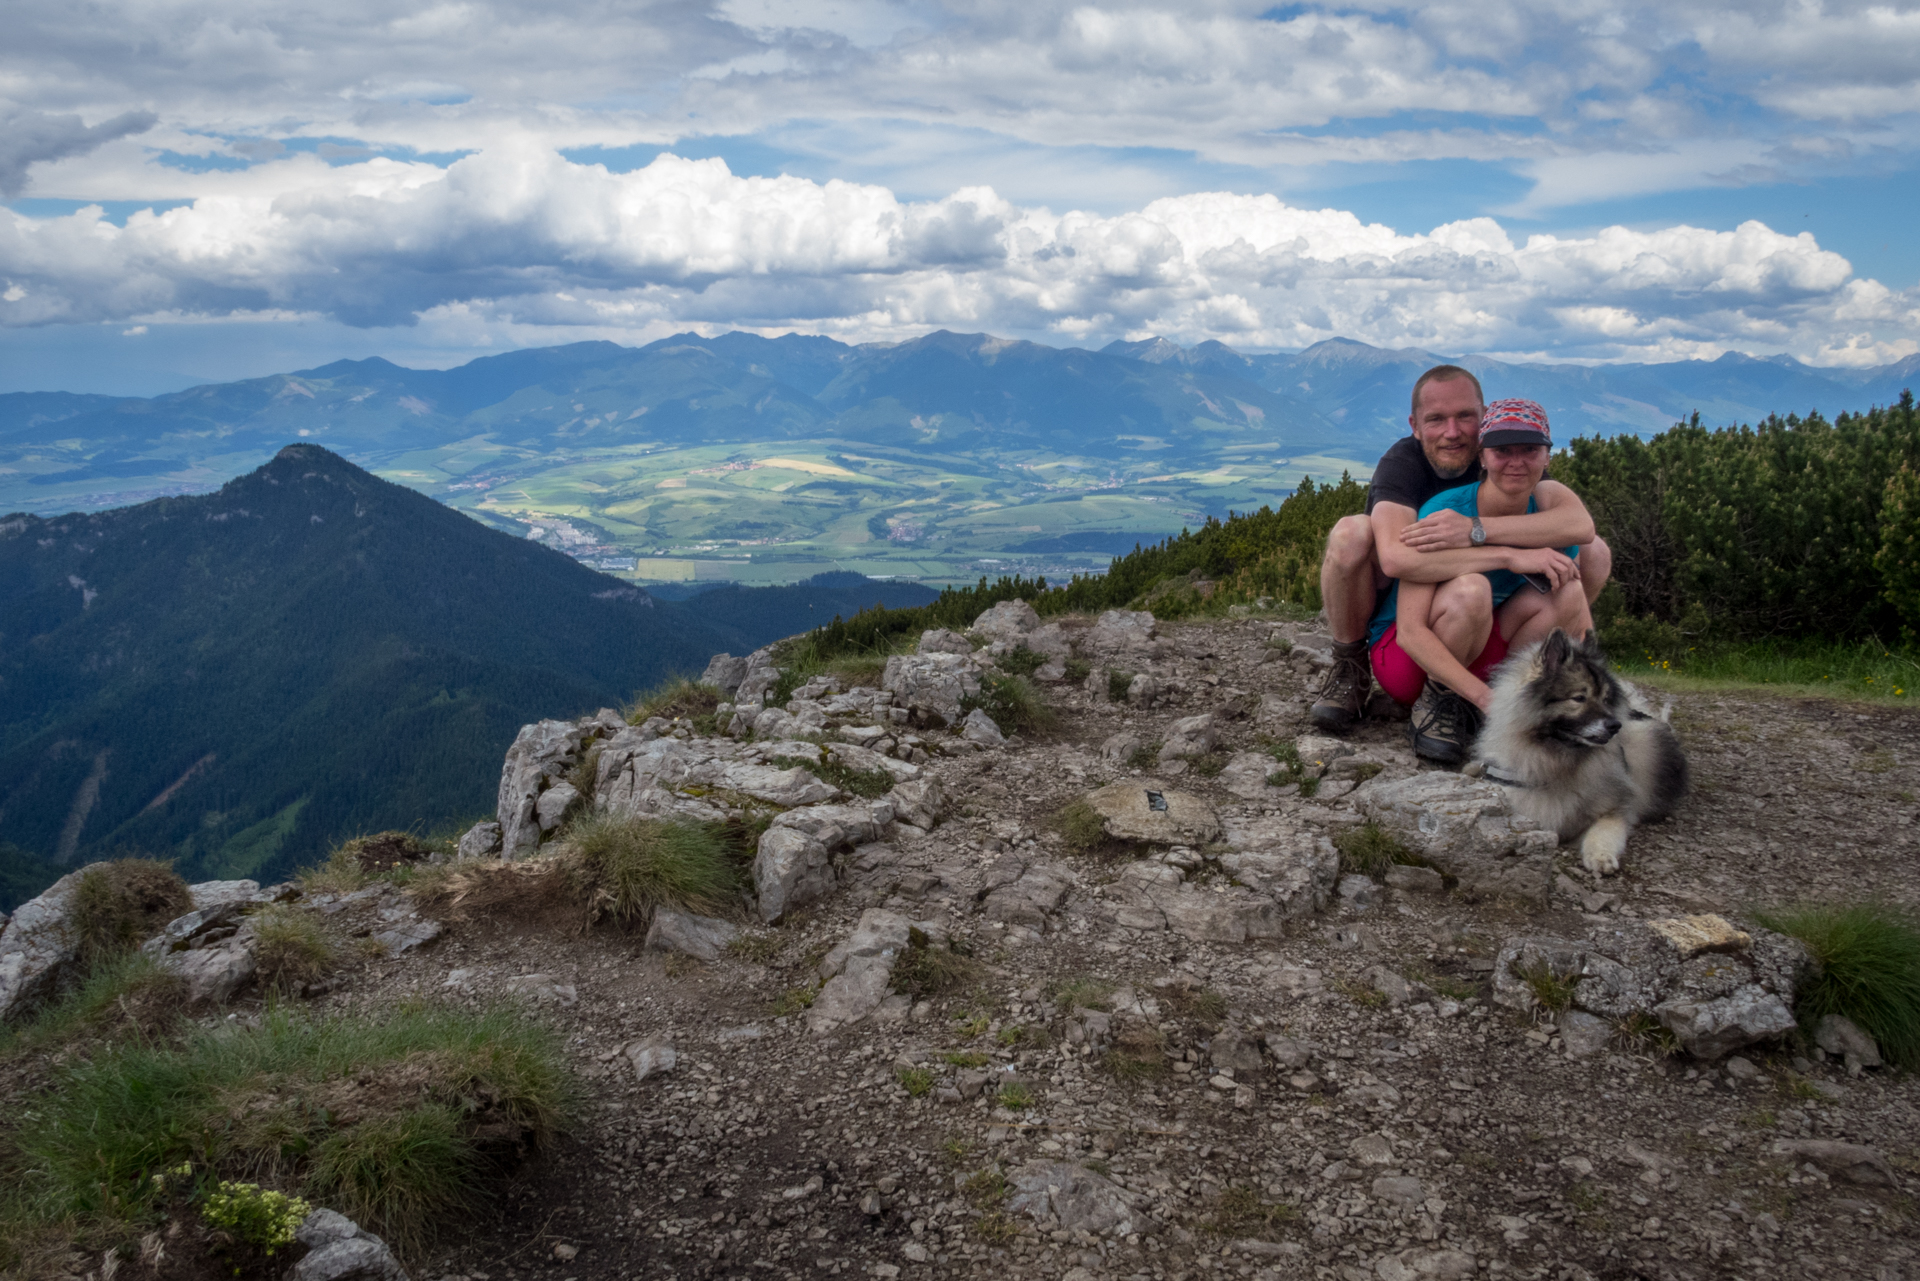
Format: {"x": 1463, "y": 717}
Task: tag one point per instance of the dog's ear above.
{"x": 1590, "y": 649}
{"x": 1554, "y": 653}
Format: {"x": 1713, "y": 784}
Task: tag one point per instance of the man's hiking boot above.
{"x": 1443, "y": 725}
{"x": 1342, "y": 697}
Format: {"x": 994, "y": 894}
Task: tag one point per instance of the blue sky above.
{"x": 211, "y": 190}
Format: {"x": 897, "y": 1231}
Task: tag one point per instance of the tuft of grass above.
{"x": 1867, "y": 969}
{"x": 966, "y": 1058}
{"x": 679, "y": 700}
{"x": 1078, "y": 669}
{"x": 917, "y": 1082}
{"x": 628, "y": 866}
{"x": 1117, "y": 684}
{"x": 1081, "y": 992}
{"x": 118, "y": 905}
{"x": 1138, "y": 1054}
{"x": 985, "y": 1189}
{"x": 1641, "y": 1033}
{"x": 1013, "y": 1034}
{"x": 1145, "y": 756}
{"x": 1202, "y": 1004}
{"x": 1553, "y": 992}
{"x": 1208, "y": 764}
{"x": 1013, "y": 703}
{"x": 794, "y": 1000}
{"x": 969, "y": 1023}
{"x": 868, "y": 783}
{"x": 128, "y": 995}
{"x": 1241, "y": 1212}
{"x": 397, "y": 1121}
{"x": 388, "y": 852}
{"x": 291, "y": 949}
{"x": 1014, "y": 1097}
{"x": 1371, "y": 849}
{"x": 927, "y": 969}
{"x": 1020, "y": 661}
{"x": 1362, "y": 995}
{"x": 995, "y": 1228}
{"x": 1081, "y": 828}
{"x": 757, "y": 948}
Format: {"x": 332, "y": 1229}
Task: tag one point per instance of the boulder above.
{"x": 725, "y": 673}
{"x": 1189, "y": 736}
{"x": 1009, "y": 621}
{"x": 842, "y": 826}
{"x": 182, "y": 931}
{"x": 1121, "y": 746}
{"x": 213, "y": 974}
{"x": 652, "y": 1057}
{"x": 931, "y": 686}
{"x": 761, "y": 676}
{"x": 1120, "y": 630}
{"x": 851, "y": 995}
{"x": 1076, "y": 1198}
{"x": 218, "y": 893}
{"x": 1030, "y": 898}
{"x": 939, "y": 640}
{"x": 1713, "y": 1002}
{"x": 1845, "y": 1039}
{"x": 879, "y": 932}
{"x": 38, "y": 949}
{"x": 1847, "y": 1162}
{"x": 1148, "y": 810}
{"x": 338, "y": 1249}
{"x": 541, "y": 755}
{"x": 701, "y": 937}
{"x": 1246, "y": 774}
{"x": 1466, "y": 828}
{"x": 979, "y": 728}
{"x": 921, "y": 802}
{"x": 553, "y": 804}
{"x": 1236, "y": 1051}
{"x": 482, "y": 840}
{"x": 790, "y": 869}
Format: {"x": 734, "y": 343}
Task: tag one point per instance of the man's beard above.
{"x": 1450, "y": 473}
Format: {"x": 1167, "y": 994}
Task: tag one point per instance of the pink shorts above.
{"x": 1403, "y": 678}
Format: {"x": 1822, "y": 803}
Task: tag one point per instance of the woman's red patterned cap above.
{"x": 1514, "y": 422}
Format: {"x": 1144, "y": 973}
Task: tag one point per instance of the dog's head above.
{"x": 1579, "y": 701}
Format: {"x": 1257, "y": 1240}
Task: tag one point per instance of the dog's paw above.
{"x": 1602, "y": 846}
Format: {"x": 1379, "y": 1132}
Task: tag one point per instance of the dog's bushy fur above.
{"x": 1581, "y": 751}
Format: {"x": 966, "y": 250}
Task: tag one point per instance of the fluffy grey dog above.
{"x": 1580, "y": 750}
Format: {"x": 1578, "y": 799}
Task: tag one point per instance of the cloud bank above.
{"x": 517, "y": 235}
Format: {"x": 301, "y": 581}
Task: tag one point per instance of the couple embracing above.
{"x": 1466, "y": 551}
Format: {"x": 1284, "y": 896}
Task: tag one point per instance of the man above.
{"x": 1365, "y": 553}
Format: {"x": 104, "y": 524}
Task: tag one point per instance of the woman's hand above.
{"x": 1556, "y": 565}
{"x": 1442, "y": 531}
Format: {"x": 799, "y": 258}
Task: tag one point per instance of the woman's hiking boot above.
{"x": 1443, "y": 725}
{"x": 1342, "y": 697}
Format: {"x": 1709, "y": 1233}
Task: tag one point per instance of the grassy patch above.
{"x": 121, "y": 996}
{"x": 630, "y": 866}
{"x": 1201, "y": 1004}
{"x": 1666, "y": 658}
{"x": 291, "y": 949}
{"x": 1081, "y": 828}
{"x": 1553, "y": 992}
{"x": 971, "y": 1023}
{"x": 1117, "y": 683}
{"x": 1083, "y": 993}
{"x": 1138, "y": 1055}
{"x": 1020, "y": 661}
{"x": 1371, "y": 849}
{"x": 118, "y": 905}
{"x": 756, "y": 948}
{"x": 1641, "y": 1033}
{"x": 1241, "y": 1212}
{"x": 869, "y": 783}
{"x": 1013, "y": 704}
{"x": 1145, "y": 756}
{"x": 1078, "y": 669}
{"x": 1015, "y": 1097}
{"x": 794, "y": 1000}
{"x": 917, "y": 1082}
{"x": 1361, "y": 994}
{"x": 926, "y": 968}
{"x": 682, "y": 699}
{"x": 398, "y": 1122}
{"x": 1208, "y": 764}
{"x": 1868, "y": 970}
{"x": 985, "y": 1189}
{"x": 966, "y": 1058}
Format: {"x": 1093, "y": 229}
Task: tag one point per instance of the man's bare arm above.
{"x": 1397, "y": 560}
{"x": 1560, "y": 521}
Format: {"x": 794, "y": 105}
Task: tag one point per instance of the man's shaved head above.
{"x": 1440, "y": 373}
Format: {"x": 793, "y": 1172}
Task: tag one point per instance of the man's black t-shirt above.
{"x": 1405, "y": 476}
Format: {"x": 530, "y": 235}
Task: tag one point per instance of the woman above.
{"x": 1435, "y": 644}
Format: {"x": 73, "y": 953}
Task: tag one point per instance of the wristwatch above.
{"x": 1479, "y": 535}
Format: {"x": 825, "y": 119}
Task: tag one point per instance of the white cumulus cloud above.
{"x": 517, "y": 235}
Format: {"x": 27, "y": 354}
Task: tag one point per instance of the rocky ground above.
{"x": 1203, "y": 1057}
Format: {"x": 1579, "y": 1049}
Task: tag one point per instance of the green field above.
{"x": 777, "y": 511}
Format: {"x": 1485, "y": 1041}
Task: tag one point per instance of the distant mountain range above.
{"x": 237, "y": 680}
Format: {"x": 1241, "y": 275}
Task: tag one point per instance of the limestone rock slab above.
{"x": 1154, "y": 812}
